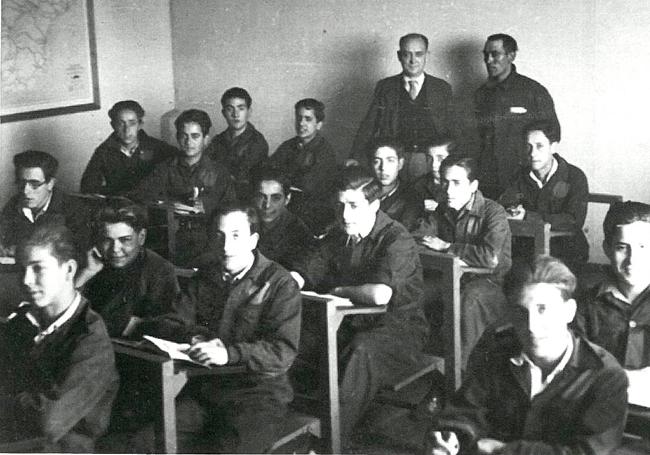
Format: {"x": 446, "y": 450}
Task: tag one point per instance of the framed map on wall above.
{"x": 49, "y": 62}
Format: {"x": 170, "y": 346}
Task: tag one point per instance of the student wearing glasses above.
{"x": 37, "y": 201}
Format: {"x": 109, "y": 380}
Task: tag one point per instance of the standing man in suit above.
{"x": 504, "y": 105}
{"x": 411, "y": 108}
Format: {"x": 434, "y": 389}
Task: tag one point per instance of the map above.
{"x": 46, "y": 55}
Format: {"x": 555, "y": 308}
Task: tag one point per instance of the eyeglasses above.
{"x": 33, "y": 184}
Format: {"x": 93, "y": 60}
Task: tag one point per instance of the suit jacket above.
{"x": 382, "y": 119}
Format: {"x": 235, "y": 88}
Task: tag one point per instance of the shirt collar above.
{"x": 232, "y": 279}
{"x": 56, "y": 325}
{"x": 419, "y": 80}
{"x": 537, "y": 384}
{"x": 610, "y": 287}
{"x": 30, "y": 215}
{"x": 391, "y": 192}
{"x": 552, "y": 172}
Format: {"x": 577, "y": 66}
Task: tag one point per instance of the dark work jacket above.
{"x": 621, "y": 328}
{"x": 402, "y": 206}
{"x": 502, "y": 111}
{"x": 239, "y": 155}
{"x": 382, "y": 119}
{"x": 67, "y": 382}
{"x": 425, "y": 187}
{"x": 63, "y": 210}
{"x": 480, "y": 235}
{"x": 562, "y": 201}
{"x": 148, "y": 289}
{"x": 175, "y": 180}
{"x": 582, "y": 410}
{"x": 387, "y": 255}
{"x": 257, "y": 317}
{"x": 286, "y": 241}
{"x": 111, "y": 172}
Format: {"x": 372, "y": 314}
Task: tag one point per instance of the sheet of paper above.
{"x": 340, "y": 301}
{"x": 175, "y": 351}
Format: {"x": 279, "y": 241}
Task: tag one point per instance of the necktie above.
{"x": 413, "y": 89}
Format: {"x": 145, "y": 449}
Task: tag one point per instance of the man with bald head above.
{"x": 411, "y": 108}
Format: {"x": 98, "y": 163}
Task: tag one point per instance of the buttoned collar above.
{"x": 391, "y": 192}
{"x": 538, "y": 182}
{"x": 610, "y": 287}
{"x": 419, "y": 80}
{"x": 29, "y": 214}
{"x": 507, "y": 82}
{"x": 54, "y": 326}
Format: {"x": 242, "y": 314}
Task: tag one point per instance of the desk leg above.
{"x": 171, "y": 385}
{"x": 329, "y": 380}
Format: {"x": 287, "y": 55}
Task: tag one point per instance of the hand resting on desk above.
{"x": 211, "y": 352}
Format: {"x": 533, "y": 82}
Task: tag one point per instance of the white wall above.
{"x": 134, "y": 61}
{"x": 590, "y": 54}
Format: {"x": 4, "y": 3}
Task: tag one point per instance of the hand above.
{"x": 517, "y": 212}
{"x": 94, "y": 261}
{"x": 430, "y": 205}
{"x": 489, "y": 446}
{"x": 435, "y": 243}
{"x": 443, "y": 443}
{"x": 351, "y": 162}
{"x": 211, "y": 352}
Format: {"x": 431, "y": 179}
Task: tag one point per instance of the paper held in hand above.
{"x": 175, "y": 351}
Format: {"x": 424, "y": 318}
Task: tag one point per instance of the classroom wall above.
{"x": 134, "y": 61}
{"x": 586, "y": 52}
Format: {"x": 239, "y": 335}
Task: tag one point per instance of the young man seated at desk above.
{"x": 476, "y": 230}
{"x": 551, "y": 190}
{"x": 284, "y": 238}
{"x": 240, "y": 147}
{"x": 247, "y": 312}
{"x": 190, "y": 178}
{"x": 616, "y": 313}
{"x": 372, "y": 260}
{"x": 38, "y": 201}
{"x": 57, "y": 368}
{"x": 533, "y": 387}
{"x": 397, "y": 200}
{"x": 428, "y": 187}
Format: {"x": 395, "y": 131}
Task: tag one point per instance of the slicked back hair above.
{"x": 248, "y": 210}
{"x": 411, "y": 36}
{"x": 469, "y": 164}
{"x": 271, "y": 173}
{"x": 509, "y": 43}
{"x": 621, "y": 213}
{"x": 122, "y": 210}
{"x": 546, "y": 127}
{"x": 35, "y": 158}
{"x": 543, "y": 270}
{"x": 356, "y": 177}
{"x": 56, "y": 237}
{"x": 125, "y": 105}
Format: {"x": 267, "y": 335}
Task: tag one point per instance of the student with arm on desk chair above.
{"x": 533, "y": 386}
{"x": 247, "y": 312}
{"x": 57, "y": 368}
{"x": 372, "y": 260}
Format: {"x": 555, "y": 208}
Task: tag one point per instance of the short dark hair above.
{"x": 411, "y": 36}
{"x": 36, "y": 158}
{"x": 121, "y": 210}
{"x": 621, "y": 213}
{"x": 273, "y": 173}
{"x": 314, "y": 105}
{"x": 509, "y": 43}
{"x": 55, "y": 236}
{"x": 399, "y": 148}
{"x": 193, "y": 116}
{"x": 443, "y": 140}
{"x": 236, "y": 92}
{"x": 548, "y": 128}
{"x": 125, "y": 105}
{"x": 469, "y": 164}
{"x": 543, "y": 269}
{"x": 248, "y": 210}
{"x": 356, "y": 177}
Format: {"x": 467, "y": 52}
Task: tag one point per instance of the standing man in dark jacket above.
{"x": 504, "y": 105}
{"x": 552, "y": 190}
{"x": 411, "y": 108}
{"x": 248, "y": 313}
{"x": 126, "y": 156}
{"x": 533, "y": 387}
{"x": 57, "y": 367}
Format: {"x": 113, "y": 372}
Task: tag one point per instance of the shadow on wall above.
{"x": 464, "y": 59}
{"x": 348, "y": 93}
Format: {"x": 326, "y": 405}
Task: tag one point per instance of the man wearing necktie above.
{"x": 411, "y": 108}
